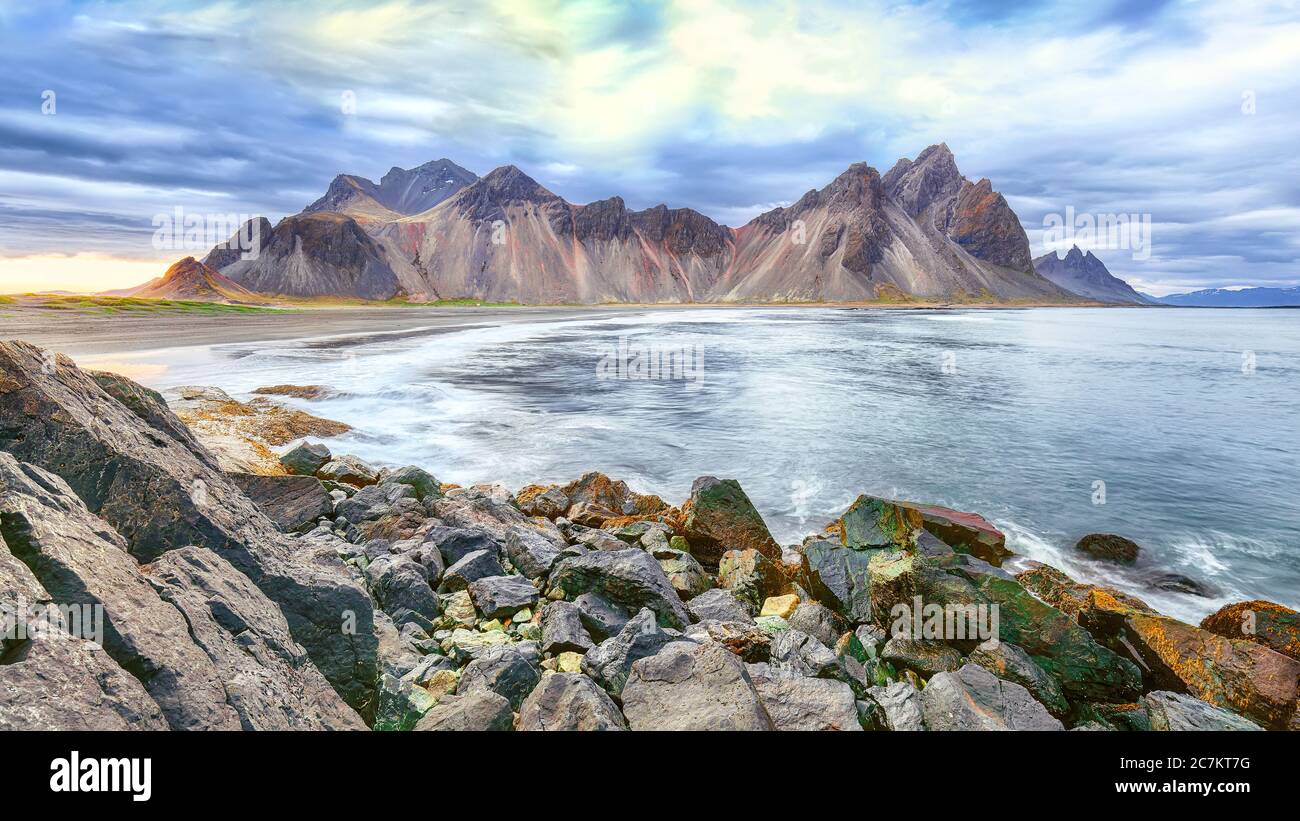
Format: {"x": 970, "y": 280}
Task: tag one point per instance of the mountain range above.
{"x": 1086, "y": 275}
{"x": 1240, "y": 298}
{"x": 920, "y": 231}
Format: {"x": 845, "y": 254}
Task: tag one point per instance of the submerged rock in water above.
{"x": 1108, "y": 547}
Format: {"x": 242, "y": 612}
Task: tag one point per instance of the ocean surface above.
{"x": 1176, "y": 428}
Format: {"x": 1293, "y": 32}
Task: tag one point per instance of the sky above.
{"x": 1185, "y": 115}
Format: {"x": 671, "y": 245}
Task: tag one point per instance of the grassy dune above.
{"x": 126, "y": 304}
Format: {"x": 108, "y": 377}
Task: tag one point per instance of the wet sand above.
{"x": 83, "y": 333}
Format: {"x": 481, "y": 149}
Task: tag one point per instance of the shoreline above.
{"x": 80, "y": 332}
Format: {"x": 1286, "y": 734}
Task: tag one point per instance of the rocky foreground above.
{"x": 331, "y": 594}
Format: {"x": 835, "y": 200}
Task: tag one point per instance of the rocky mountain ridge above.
{"x": 923, "y": 231}
{"x": 1086, "y": 275}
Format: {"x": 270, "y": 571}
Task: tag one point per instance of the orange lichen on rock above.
{"x": 1237, "y": 674}
{"x": 1263, "y": 622}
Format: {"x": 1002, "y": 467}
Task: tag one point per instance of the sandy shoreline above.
{"x": 78, "y": 333}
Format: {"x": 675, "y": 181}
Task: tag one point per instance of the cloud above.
{"x": 1186, "y": 112}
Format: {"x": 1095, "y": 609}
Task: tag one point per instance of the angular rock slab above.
{"x": 479, "y": 711}
{"x": 720, "y": 517}
{"x": 294, "y": 503}
{"x": 802, "y": 703}
{"x": 972, "y": 698}
{"x": 630, "y": 578}
{"x": 501, "y": 596}
{"x": 872, "y": 522}
{"x": 1180, "y": 713}
{"x": 610, "y": 662}
{"x": 269, "y": 680}
{"x": 569, "y": 701}
{"x": 79, "y": 560}
{"x": 720, "y": 605}
{"x": 688, "y": 686}
{"x": 53, "y": 681}
{"x": 900, "y": 702}
{"x": 503, "y": 670}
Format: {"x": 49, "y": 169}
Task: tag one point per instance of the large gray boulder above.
{"x": 610, "y": 662}
{"x": 55, "y": 682}
{"x": 294, "y": 503}
{"x": 630, "y": 578}
{"x": 126, "y": 462}
{"x": 505, "y": 671}
{"x": 719, "y": 604}
{"x": 562, "y": 629}
{"x": 797, "y": 652}
{"x": 269, "y": 680}
{"x": 972, "y": 698}
{"x": 817, "y": 621}
{"x": 532, "y": 551}
{"x": 837, "y": 575}
{"x": 455, "y": 543}
{"x": 501, "y": 596}
{"x": 923, "y": 656}
{"x": 689, "y": 686}
{"x": 79, "y": 560}
{"x": 51, "y": 680}
{"x": 602, "y": 618}
{"x": 477, "y": 711}
{"x": 1007, "y": 661}
{"x": 1177, "y": 712}
{"x": 569, "y": 701}
{"x": 478, "y": 564}
{"x": 802, "y": 703}
{"x": 900, "y": 703}
{"x": 374, "y": 502}
{"x": 400, "y": 586}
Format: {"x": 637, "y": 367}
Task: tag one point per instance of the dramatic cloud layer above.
{"x": 1184, "y": 111}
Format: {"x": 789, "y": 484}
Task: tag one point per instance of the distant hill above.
{"x": 1085, "y": 275}
{"x": 1241, "y": 298}
{"x": 192, "y": 280}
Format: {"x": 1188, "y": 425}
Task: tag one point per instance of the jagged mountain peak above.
{"x": 500, "y": 188}
{"x": 917, "y": 184}
{"x": 1083, "y": 273}
{"x": 400, "y": 192}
